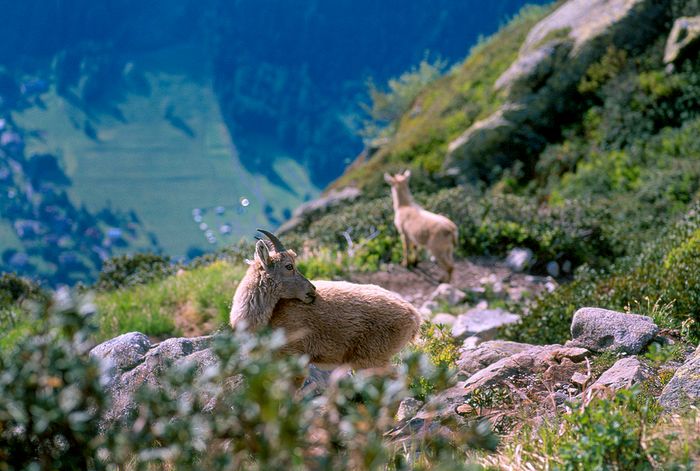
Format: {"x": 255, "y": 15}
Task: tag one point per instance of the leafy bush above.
{"x": 242, "y": 413}
{"x": 50, "y": 394}
{"x": 388, "y": 106}
{"x": 603, "y": 434}
{"x": 667, "y": 268}
{"x": 129, "y": 270}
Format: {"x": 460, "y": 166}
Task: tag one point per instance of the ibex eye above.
{"x": 290, "y": 267}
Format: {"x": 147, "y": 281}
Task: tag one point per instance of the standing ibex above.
{"x": 333, "y": 322}
{"x": 420, "y": 228}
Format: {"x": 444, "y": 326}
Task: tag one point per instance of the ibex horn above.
{"x": 279, "y": 246}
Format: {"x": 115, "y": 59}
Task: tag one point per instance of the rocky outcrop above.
{"x": 314, "y": 208}
{"x": 475, "y": 359}
{"x": 550, "y": 363}
{"x": 601, "y": 330}
{"x": 130, "y": 361}
{"x": 625, "y": 373}
{"x": 555, "y": 55}
{"x": 684, "y": 388}
{"x": 684, "y": 39}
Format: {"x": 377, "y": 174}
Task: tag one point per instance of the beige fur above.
{"x": 345, "y": 324}
{"x": 420, "y": 228}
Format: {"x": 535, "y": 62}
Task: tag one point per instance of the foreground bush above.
{"x": 242, "y": 413}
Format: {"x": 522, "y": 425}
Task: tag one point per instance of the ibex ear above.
{"x": 262, "y": 253}
{"x": 388, "y": 179}
{"x": 407, "y": 173}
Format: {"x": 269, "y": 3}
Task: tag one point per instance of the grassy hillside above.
{"x": 161, "y": 149}
{"x": 445, "y": 108}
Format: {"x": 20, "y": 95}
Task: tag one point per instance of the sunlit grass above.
{"x": 194, "y": 302}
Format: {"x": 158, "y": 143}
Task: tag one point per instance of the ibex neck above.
{"x": 401, "y": 197}
{"x": 255, "y": 299}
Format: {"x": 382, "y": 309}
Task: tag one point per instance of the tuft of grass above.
{"x": 196, "y": 301}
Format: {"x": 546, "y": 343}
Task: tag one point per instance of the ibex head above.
{"x": 398, "y": 180}
{"x": 279, "y": 265}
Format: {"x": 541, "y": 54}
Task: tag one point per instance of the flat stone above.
{"x": 487, "y": 353}
{"x": 602, "y": 330}
{"x": 625, "y": 373}
{"x": 684, "y": 388}
{"x": 448, "y": 294}
{"x": 483, "y": 323}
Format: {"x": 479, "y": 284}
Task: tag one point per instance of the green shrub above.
{"x": 442, "y": 351}
{"x": 51, "y": 395}
{"x": 129, "y": 270}
{"x": 52, "y": 399}
{"x": 665, "y": 269}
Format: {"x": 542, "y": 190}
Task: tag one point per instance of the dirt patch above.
{"x": 476, "y": 275}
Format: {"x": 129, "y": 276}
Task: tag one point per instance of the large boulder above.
{"x": 482, "y": 323}
{"x": 684, "y": 39}
{"x": 602, "y": 330}
{"x": 625, "y": 373}
{"x": 476, "y": 359}
{"x": 130, "y": 361}
{"x": 684, "y": 388}
{"x": 554, "y": 57}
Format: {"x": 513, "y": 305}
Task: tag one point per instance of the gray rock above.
{"x": 124, "y": 352}
{"x": 128, "y": 363}
{"x": 553, "y": 269}
{"x": 483, "y": 323}
{"x": 601, "y": 330}
{"x": 549, "y": 363}
{"x": 408, "y": 409}
{"x": 683, "y": 41}
{"x": 473, "y": 360}
{"x": 427, "y": 308}
{"x": 684, "y": 388}
{"x": 625, "y": 373}
{"x": 533, "y": 361}
{"x": 556, "y": 54}
{"x": 448, "y": 294}
{"x": 519, "y": 259}
{"x": 444, "y": 319}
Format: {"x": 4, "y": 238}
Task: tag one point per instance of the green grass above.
{"x": 143, "y": 162}
{"x": 196, "y": 302}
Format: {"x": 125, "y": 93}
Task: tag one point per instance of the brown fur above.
{"x": 420, "y": 228}
{"x": 359, "y": 325}
{"x": 339, "y": 323}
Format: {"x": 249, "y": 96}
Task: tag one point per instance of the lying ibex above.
{"x": 420, "y": 228}
{"x": 333, "y": 322}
